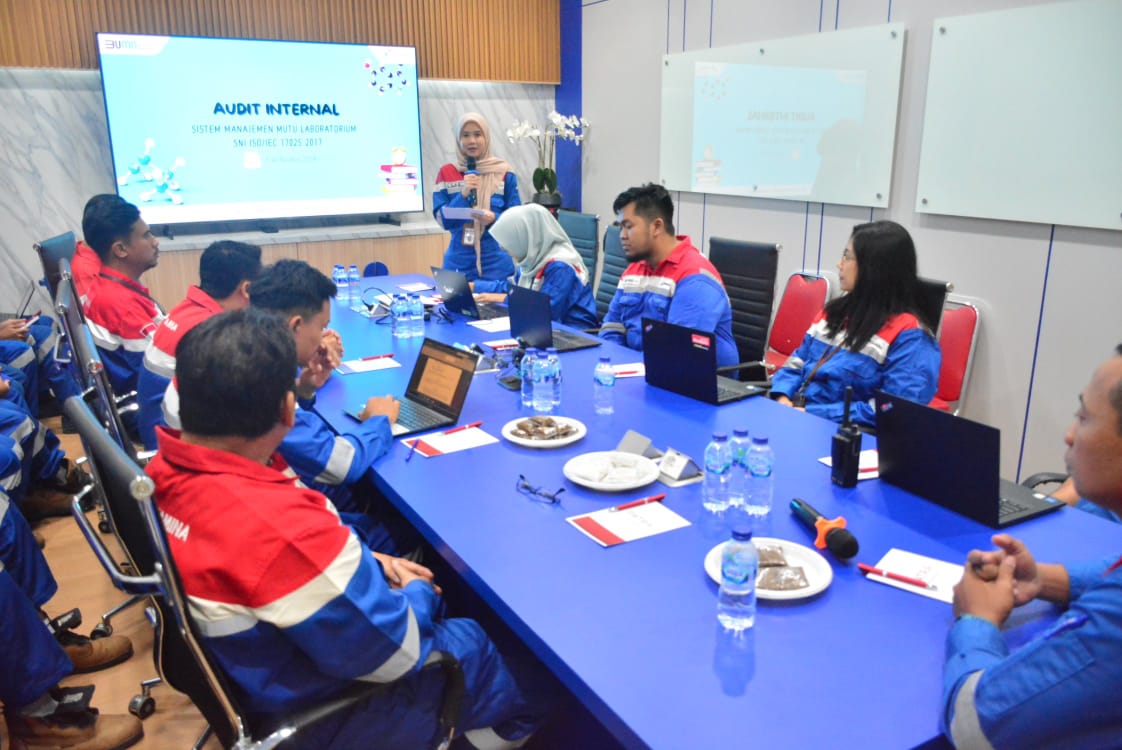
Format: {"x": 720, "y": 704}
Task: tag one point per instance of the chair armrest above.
{"x": 1044, "y": 477}
{"x": 134, "y": 585}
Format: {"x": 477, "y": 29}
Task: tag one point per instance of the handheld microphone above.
{"x": 831, "y": 534}
{"x": 473, "y": 197}
{"x": 845, "y": 452}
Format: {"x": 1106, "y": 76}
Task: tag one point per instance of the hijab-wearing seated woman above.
{"x": 547, "y": 263}
{"x": 871, "y": 338}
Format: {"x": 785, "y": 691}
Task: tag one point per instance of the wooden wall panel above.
{"x": 485, "y": 40}
{"x": 179, "y": 269}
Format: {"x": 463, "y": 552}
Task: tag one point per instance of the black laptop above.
{"x": 454, "y": 290}
{"x": 531, "y": 323}
{"x": 437, "y": 389}
{"x": 684, "y": 360}
{"x": 951, "y": 461}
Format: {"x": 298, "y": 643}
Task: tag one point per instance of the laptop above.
{"x": 454, "y": 290}
{"x": 684, "y": 360}
{"x": 437, "y": 389}
{"x": 531, "y": 323}
{"x": 952, "y": 462}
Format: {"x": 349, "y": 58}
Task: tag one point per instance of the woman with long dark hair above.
{"x": 873, "y": 337}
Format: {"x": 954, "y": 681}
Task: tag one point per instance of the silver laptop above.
{"x": 437, "y": 389}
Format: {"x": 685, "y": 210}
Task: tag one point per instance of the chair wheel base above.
{"x": 103, "y": 527}
{"x": 142, "y": 706}
{"x": 103, "y": 630}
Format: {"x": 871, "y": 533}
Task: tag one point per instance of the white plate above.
{"x": 508, "y": 433}
{"x": 818, "y": 572}
{"x": 592, "y": 470}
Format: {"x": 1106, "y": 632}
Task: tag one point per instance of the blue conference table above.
{"x": 631, "y": 630}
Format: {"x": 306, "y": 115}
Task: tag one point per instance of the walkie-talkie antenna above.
{"x": 848, "y": 399}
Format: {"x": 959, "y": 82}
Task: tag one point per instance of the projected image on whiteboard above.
{"x": 776, "y": 131}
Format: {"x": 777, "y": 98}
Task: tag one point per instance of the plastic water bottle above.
{"x": 718, "y": 467}
{"x": 416, "y": 316}
{"x": 543, "y": 383}
{"x": 603, "y": 381}
{"x": 339, "y": 276}
{"x": 527, "y": 372}
{"x": 555, "y": 371}
{"x": 354, "y": 287}
{"x": 399, "y": 312}
{"x": 738, "y": 480}
{"x": 761, "y": 463}
{"x": 736, "y": 599}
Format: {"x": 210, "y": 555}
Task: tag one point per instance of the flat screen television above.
{"x": 207, "y": 130}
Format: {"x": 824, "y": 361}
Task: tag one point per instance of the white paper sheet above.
{"x": 943, "y": 575}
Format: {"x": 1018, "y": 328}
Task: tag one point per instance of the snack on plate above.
{"x": 542, "y": 428}
{"x": 771, "y": 556}
{"x": 614, "y": 469}
{"x": 782, "y": 579}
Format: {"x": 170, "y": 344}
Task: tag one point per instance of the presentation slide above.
{"x": 780, "y": 131}
{"x": 224, "y": 129}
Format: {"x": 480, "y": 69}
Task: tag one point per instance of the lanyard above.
{"x": 800, "y": 397}
{"x": 133, "y": 288}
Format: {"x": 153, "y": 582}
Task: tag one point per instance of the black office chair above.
{"x": 86, "y": 367}
{"x": 179, "y": 654}
{"x": 50, "y": 252}
{"x": 611, "y": 268}
{"x": 748, "y": 270}
{"x": 584, "y": 233}
{"x": 931, "y": 295}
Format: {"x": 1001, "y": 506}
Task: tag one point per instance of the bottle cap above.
{"x": 605, "y": 359}
{"x": 740, "y": 433}
{"x": 741, "y": 534}
{"x": 720, "y": 436}
{"x": 759, "y": 439}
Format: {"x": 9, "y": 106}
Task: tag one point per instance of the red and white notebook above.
{"x": 610, "y": 526}
{"x": 450, "y": 441}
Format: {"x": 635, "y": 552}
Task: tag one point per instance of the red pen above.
{"x": 640, "y": 501}
{"x": 377, "y": 356}
{"x": 462, "y": 427}
{"x": 895, "y": 576}
{"x": 867, "y": 469}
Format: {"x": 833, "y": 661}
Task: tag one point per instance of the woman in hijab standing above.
{"x": 482, "y": 182}
{"x": 548, "y": 263}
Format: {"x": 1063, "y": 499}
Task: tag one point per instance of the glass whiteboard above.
{"x": 1024, "y": 116}
{"x": 808, "y": 118}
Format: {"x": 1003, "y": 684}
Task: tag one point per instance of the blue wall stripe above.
{"x": 821, "y": 226}
{"x": 889, "y": 11}
{"x": 684, "y": 25}
{"x": 837, "y": 13}
{"x": 568, "y": 98}
{"x": 711, "y": 4}
{"x": 668, "y": 27}
{"x": 821, "y": 10}
{"x": 806, "y": 231}
{"x": 1035, "y": 350}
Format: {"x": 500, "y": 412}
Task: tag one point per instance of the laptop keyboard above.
{"x": 728, "y": 391}
{"x": 569, "y": 340}
{"x": 417, "y": 417}
{"x": 1007, "y": 507}
{"x": 488, "y": 311}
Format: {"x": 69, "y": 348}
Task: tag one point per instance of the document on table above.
{"x": 367, "y": 364}
{"x": 494, "y": 325}
{"x": 630, "y": 370}
{"x": 450, "y": 441}
{"x": 416, "y": 286}
{"x": 498, "y": 344}
{"x": 610, "y": 527}
{"x": 944, "y": 576}
{"x": 867, "y": 466}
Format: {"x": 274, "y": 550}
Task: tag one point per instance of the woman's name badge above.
{"x": 469, "y": 235}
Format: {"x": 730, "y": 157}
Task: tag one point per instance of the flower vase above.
{"x": 551, "y": 201}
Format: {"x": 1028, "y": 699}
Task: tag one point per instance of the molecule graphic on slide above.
{"x": 165, "y": 186}
{"x": 387, "y": 79}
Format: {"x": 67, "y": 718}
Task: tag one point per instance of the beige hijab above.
{"x": 534, "y": 238}
{"x": 492, "y": 171}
